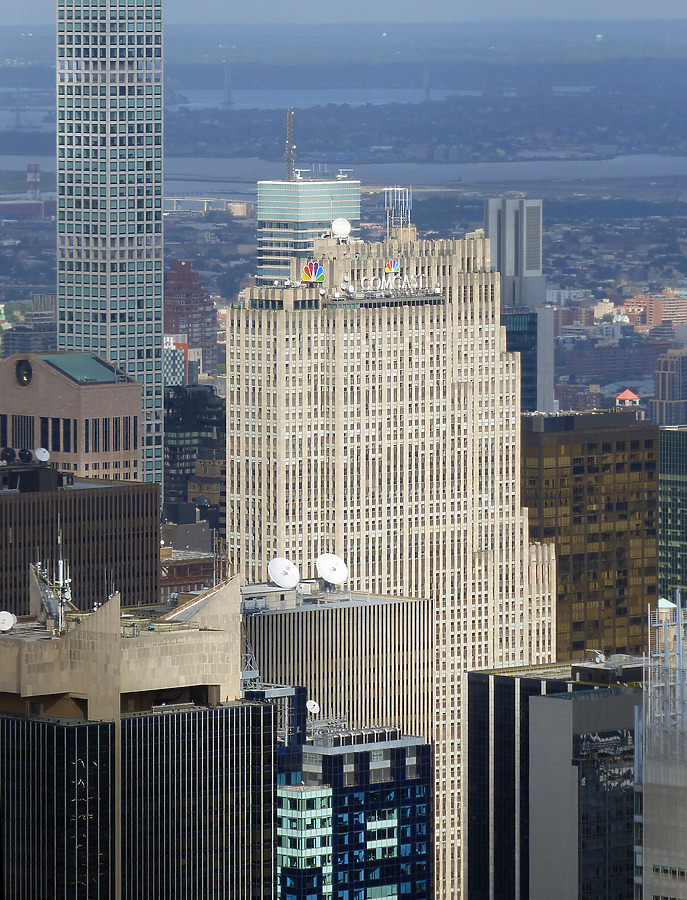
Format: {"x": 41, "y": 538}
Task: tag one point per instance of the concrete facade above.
{"x": 123, "y": 732}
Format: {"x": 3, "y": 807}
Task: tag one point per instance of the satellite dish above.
{"x": 313, "y": 707}
{"x": 7, "y": 620}
{"x": 42, "y": 454}
{"x": 341, "y": 228}
{"x": 283, "y": 572}
{"x": 8, "y": 455}
{"x": 25, "y": 456}
{"x": 331, "y": 568}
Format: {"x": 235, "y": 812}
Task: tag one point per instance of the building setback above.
{"x": 374, "y": 412}
{"x": 109, "y": 189}
{"x": 590, "y": 482}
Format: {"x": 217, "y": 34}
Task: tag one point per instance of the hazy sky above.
{"x": 42, "y": 12}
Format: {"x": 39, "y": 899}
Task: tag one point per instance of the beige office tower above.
{"x": 373, "y": 413}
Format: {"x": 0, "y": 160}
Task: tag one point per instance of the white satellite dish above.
{"x": 331, "y": 568}
{"x": 341, "y": 228}
{"x": 7, "y": 620}
{"x": 313, "y": 707}
{"x": 283, "y": 572}
{"x": 42, "y": 455}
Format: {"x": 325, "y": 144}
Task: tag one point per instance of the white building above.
{"x": 373, "y": 412}
{"x": 109, "y": 185}
{"x": 514, "y": 227}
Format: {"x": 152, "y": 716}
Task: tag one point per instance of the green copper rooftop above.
{"x": 84, "y": 368}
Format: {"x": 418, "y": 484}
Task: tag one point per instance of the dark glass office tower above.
{"x": 126, "y": 768}
{"x": 672, "y": 509}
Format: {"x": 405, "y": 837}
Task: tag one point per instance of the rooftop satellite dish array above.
{"x": 7, "y": 621}
{"x": 330, "y": 568}
{"x": 10, "y": 457}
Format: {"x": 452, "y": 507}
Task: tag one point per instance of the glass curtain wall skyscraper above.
{"x": 292, "y": 215}
{"x": 109, "y": 184}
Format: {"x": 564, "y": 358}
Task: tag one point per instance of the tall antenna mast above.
{"x": 290, "y": 146}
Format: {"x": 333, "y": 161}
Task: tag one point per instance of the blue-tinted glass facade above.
{"x": 360, "y": 824}
{"x": 293, "y": 214}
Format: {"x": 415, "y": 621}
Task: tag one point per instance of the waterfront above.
{"x": 231, "y": 177}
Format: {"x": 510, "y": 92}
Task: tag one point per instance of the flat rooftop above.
{"x": 85, "y": 368}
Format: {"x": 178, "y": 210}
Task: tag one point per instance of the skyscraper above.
{"x": 293, "y": 214}
{"x": 529, "y": 332}
{"x": 109, "y": 184}
{"x": 669, "y": 407}
{"x": 672, "y": 509}
{"x": 589, "y": 481}
{"x": 514, "y": 227}
{"x": 374, "y": 412}
{"x": 130, "y": 768}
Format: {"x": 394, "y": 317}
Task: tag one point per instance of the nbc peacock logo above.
{"x": 313, "y": 272}
{"x": 392, "y": 266}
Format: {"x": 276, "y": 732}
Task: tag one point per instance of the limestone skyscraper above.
{"x": 373, "y": 411}
{"x": 109, "y": 186}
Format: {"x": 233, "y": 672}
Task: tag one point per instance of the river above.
{"x": 228, "y": 176}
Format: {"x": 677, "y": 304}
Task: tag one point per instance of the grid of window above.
{"x": 57, "y": 792}
{"x": 110, "y": 122}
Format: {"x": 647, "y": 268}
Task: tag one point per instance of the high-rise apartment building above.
{"x": 672, "y": 509}
{"x": 109, "y": 184}
{"x": 590, "y": 483}
{"x": 292, "y": 215}
{"x": 373, "y": 411}
{"x": 514, "y": 227}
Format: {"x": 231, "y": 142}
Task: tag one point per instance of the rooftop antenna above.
{"x": 398, "y": 202}
{"x": 290, "y": 146}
